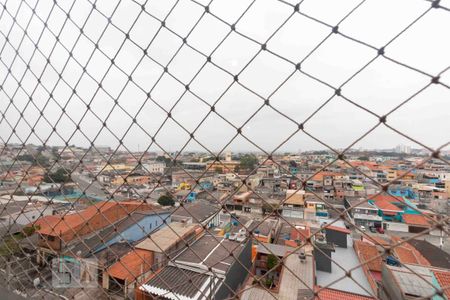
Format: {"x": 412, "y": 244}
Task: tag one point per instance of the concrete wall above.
{"x": 337, "y": 238}
{"x": 323, "y": 263}
{"x": 402, "y": 227}
{"x": 292, "y": 213}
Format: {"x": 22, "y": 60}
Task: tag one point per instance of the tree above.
{"x": 60, "y": 176}
{"x": 25, "y": 157}
{"x": 41, "y": 160}
{"x": 28, "y": 231}
{"x": 272, "y": 261}
{"x": 363, "y": 158}
{"x": 268, "y": 208}
{"x": 38, "y": 160}
{"x": 248, "y": 161}
{"x": 55, "y": 152}
{"x": 166, "y": 200}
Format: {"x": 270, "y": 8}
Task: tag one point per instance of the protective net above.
{"x": 118, "y": 119}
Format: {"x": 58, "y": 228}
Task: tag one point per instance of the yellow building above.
{"x": 223, "y": 166}
{"x": 391, "y": 174}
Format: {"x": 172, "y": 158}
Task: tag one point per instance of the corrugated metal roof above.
{"x": 177, "y": 283}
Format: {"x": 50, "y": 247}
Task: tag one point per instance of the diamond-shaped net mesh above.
{"x": 117, "y": 118}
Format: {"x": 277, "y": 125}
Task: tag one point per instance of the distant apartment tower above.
{"x": 403, "y": 149}
{"x": 228, "y": 156}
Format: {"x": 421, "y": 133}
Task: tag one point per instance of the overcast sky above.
{"x": 380, "y": 87}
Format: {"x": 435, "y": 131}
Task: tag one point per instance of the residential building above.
{"x": 294, "y": 203}
{"x": 149, "y": 255}
{"x": 57, "y": 231}
{"x": 204, "y": 270}
{"x": 292, "y": 280}
{"x": 413, "y": 282}
{"x": 154, "y": 167}
{"x": 363, "y": 212}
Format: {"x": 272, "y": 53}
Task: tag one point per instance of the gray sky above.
{"x": 379, "y": 88}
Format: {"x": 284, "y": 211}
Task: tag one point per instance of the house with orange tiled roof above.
{"x": 387, "y": 208}
{"x": 400, "y": 213}
{"x": 299, "y": 235}
{"x": 367, "y": 164}
{"x": 134, "y": 265}
{"x": 148, "y": 256}
{"x": 417, "y": 223}
{"x": 320, "y": 175}
{"x": 55, "y": 232}
{"x": 406, "y": 175}
{"x": 393, "y": 208}
{"x": 371, "y": 262}
{"x": 377, "y": 240}
{"x": 407, "y": 253}
{"x": 321, "y": 179}
{"x": 403, "y": 251}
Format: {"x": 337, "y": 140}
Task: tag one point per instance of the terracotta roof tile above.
{"x": 337, "y": 228}
{"x": 332, "y": 294}
{"x": 132, "y": 265}
{"x": 58, "y": 225}
{"x": 366, "y": 252}
{"x": 377, "y": 240}
{"x": 386, "y": 205}
{"x": 387, "y": 198}
{"x": 300, "y": 234}
{"x": 406, "y": 253}
{"x": 444, "y": 281}
{"x": 416, "y": 220}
